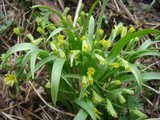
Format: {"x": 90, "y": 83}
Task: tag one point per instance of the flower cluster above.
{"x": 88, "y": 79}
{"x": 105, "y": 43}
{"x": 10, "y": 79}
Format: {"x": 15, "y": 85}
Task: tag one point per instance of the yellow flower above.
{"x": 83, "y": 38}
{"x": 121, "y": 99}
{"x": 136, "y": 39}
{"x": 96, "y": 98}
{"x": 115, "y": 65}
{"x": 105, "y": 43}
{"x": 126, "y": 66}
{"x": 84, "y": 81}
{"x": 17, "y": 31}
{"x": 101, "y": 31}
{"x": 101, "y": 59}
{"x": 116, "y": 82}
{"x": 85, "y": 46}
{"x": 90, "y": 80}
{"x": 128, "y": 91}
{"x": 60, "y": 40}
{"x": 98, "y": 113}
{"x": 53, "y": 47}
{"x": 86, "y": 94}
{"x": 90, "y": 71}
{"x": 118, "y": 28}
{"x": 48, "y": 84}
{"x": 131, "y": 29}
{"x": 10, "y": 79}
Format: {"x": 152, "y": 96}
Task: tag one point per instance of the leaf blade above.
{"x": 55, "y": 78}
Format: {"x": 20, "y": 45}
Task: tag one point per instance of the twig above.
{"x": 151, "y": 65}
{"x": 77, "y": 12}
{"x": 128, "y": 12}
{"x": 31, "y": 113}
{"x": 45, "y": 112}
{"x": 5, "y": 109}
{"x": 116, "y": 5}
{"x": 11, "y": 117}
{"x": 62, "y": 112}
{"x": 157, "y": 92}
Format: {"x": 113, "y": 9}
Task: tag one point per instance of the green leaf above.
{"x": 110, "y": 109}
{"x": 117, "y": 48}
{"x": 82, "y": 92}
{"x": 82, "y": 115}
{"x": 44, "y": 61}
{"x": 142, "y": 53}
{"x": 145, "y": 45}
{"x": 41, "y": 63}
{"x": 76, "y": 76}
{"x": 26, "y": 58}
{"x": 33, "y": 61}
{"x": 130, "y": 45}
{"x": 54, "y": 33}
{"x": 137, "y": 74}
{"x": 16, "y": 48}
{"x": 91, "y": 26}
{"x": 87, "y": 106}
{"x": 65, "y": 79}
{"x": 75, "y": 53}
{"x": 145, "y": 77}
{"x": 88, "y": 17}
{"x": 55, "y": 78}
{"x": 101, "y": 17}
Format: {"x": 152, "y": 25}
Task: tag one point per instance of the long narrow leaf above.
{"x": 87, "y": 107}
{"x": 26, "y": 58}
{"x": 82, "y": 115}
{"x": 54, "y": 33}
{"x": 88, "y": 17}
{"x": 33, "y": 61}
{"x": 101, "y": 17}
{"x": 137, "y": 74}
{"x": 115, "y": 51}
{"x": 143, "y": 53}
{"x": 55, "y": 78}
{"x": 41, "y": 63}
{"x": 16, "y": 48}
{"x": 145, "y": 77}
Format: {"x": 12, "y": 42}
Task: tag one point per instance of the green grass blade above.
{"x": 33, "y": 61}
{"x": 66, "y": 80}
{"x": 115, "y": 51}
{"x": 55, "y": 78}
{"x": 101, "y": 17}
{"x": 76, "y": 76}
{"x": 130, "y": 45}
{"x": 44, "y": 61}
{"x": 87, "y": 107}
{"x": 82, "y": 115}
{"x": 75, "y": 53}
{"x": 111, "y": 109}
{"x": 88, "y": 17}
{"x": 145, "y": 45}
{"x": 137, "y": 74}
{"x": 16, "y": 48}
{"x": 54, "y": 33}
{"x": 145, "y": 77}
{"x": 26, "y": 58}
{"x": 91, "y": 26}
{"x": 41, "y": 63}
{"x": 142, "y": 53}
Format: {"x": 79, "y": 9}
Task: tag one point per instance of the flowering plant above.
{"x": 87, "y": 68}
